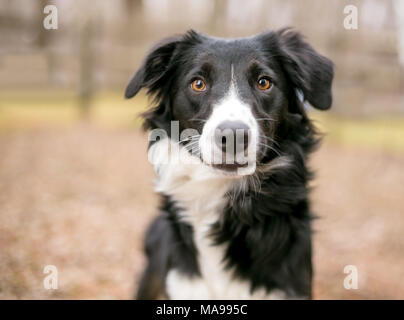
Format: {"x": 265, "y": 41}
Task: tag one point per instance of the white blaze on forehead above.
{"x": 230, "y": 108}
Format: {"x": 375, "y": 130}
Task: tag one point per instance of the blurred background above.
{"x": 75, "y": 183}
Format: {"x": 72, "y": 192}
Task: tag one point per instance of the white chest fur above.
{"x": 201, "y": 193}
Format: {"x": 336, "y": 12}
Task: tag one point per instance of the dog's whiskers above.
{"x": 265, "y": 119}
{"x": 269, "y": 139}
{"x": 191, "y": 145}
{"x": 189, "y": 138}
{"x": 270, "y": 147}
{"x": 195, "y": 119}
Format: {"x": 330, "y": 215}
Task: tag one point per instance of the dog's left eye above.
{"x": 198, "y": 85}
{"x": 264, "y": 83}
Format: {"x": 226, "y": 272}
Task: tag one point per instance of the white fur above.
{"x": 200, "y": 191}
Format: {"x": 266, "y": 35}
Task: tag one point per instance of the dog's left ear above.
{"x": 154, "y": 67}
{"x": 156, "y": 73}
{"x": 309, "y": 71}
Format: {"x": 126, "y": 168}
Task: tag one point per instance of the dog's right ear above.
{"x": 310, "y": 72}
{"x": 154, "y": 67}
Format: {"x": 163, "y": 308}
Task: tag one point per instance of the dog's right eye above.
{"x": 264, "y": 83}
{"x": 198, "y": 85}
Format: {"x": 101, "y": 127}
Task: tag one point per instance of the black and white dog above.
{"x": 232, "y": 229}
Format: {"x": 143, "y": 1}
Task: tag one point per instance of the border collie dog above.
{"x": 238, "y": 229}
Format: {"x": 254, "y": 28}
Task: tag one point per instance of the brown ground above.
{"x": 81, "y": 198}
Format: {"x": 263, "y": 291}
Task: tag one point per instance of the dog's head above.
{"x": 236, "y": 94}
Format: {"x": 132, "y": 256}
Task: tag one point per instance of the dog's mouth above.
{"x": 230, "y": 164}
{"x": 229, "y": 167}
{"x": 233, "y": 169}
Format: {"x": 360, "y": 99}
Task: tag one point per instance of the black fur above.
{"x": 267, "y": 233}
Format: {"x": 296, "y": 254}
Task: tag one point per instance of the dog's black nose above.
{"x": 232, "y": 134}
